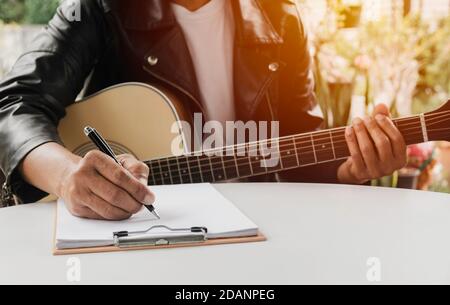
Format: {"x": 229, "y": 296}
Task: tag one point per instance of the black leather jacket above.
{"x": 112, "y": 43}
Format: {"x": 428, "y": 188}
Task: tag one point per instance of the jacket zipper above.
{"x": 6, "y": 196}
{"x": 177, "y": 87}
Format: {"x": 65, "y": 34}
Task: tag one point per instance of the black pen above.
{"x": 104, "y": 147}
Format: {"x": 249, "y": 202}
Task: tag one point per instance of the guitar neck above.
{"x": 252, "y": 159}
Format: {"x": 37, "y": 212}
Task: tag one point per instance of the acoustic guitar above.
{"x": 138, "y": 119}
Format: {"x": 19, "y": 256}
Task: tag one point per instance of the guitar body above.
{"x": 129, "y": 116}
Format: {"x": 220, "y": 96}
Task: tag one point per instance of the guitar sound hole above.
{"x": 118, "y": 149}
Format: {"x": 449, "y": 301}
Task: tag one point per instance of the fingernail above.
{"x": 367, "y": 119}
{"x": 149, "y": 199}
{"x": 357, "y": 122}
{"x": 380, "y": 118}
{"x": 349, "y": 131}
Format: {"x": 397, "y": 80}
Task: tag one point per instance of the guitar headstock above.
{"x": 438, "y": 123}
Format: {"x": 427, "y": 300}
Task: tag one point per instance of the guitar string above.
{"x": 228, "y": 159}
{"x": 189, "y": 159}
{"x": 326, "y": 136}
{"x": 225, "y": 168}
{"x": 249, "y": 147}
{"x": 252, "y": 163}
{"x": 254, "y": 149}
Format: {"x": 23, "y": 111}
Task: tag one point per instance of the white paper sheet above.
{"x": 180, "y": 206}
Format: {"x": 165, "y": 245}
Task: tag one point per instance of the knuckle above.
{"x": 92, "y": 156}
{"x": 383, "y": 141}
{"x": 115, "y": 195}
{"x": 357, "y": 156}
{"x": 121, "y": 177}
{"x": 139, "y": 169}
{"x": 366, "y": 149}
{"x": 108, "y": 213}
{"x": 77, "y": 210}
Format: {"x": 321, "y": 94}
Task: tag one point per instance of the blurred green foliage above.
{"x": 12, "y": 10}
{"x": 27, "y": 11}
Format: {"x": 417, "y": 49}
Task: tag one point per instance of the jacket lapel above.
{"x": 255, "y": 58}
{"x": 255, "y": 40}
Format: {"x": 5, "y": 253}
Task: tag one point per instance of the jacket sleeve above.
{"x": 298, "y": 100}
{"x": 43, "y": 82}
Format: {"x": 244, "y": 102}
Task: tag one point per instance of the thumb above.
{"x": 381, "y": 109}
{"x": 138, "y": 169}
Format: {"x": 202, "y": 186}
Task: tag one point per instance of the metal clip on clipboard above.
{"x": 127, "y": 239}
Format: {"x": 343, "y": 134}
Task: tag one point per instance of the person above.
{"x": 231, "y": 60}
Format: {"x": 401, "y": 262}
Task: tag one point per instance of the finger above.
{"x": 106, "y": 210}
{"x": 138, "y": 169}
{"x": 87, "y": 213}
{"x": 115, "y": 195}
{"x": 381, "y": 109}
{"x": 366, "y": 147}
{"x": 115, "y": 173}
{"x": 356, "y": 161}
{"x": 397, "y": 140}
{"x": 381, "y": 140}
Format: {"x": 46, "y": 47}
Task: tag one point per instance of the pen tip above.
{"x": 156, "y": 214}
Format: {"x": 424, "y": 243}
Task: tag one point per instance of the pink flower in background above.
{"x": 419, "y": 154}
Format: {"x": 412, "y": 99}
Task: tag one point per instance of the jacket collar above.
{"x": 252, "y": 24}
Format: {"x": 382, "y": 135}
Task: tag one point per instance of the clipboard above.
{"x": 174, "y": 238}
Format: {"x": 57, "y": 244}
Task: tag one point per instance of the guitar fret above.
{"x": 237, "y": 167}
{"x": 175, "y": 171}
{"x": 314, "y": 148}
{"x": 243, "y": 162}
{"x": 224, "y": 167}
{"x": 296, "y": 152}
{"x": 200, "y": 169}
{"x": 179, "y": 170}
{"x": 205, "y": 166}
{"x": 160, "y": 171}
{"x": 218, "y": 168}
{"x": 184, "y": 169}
{"x": 258, "y": 165}
{"x": 289, "y": 157}
{"x": 332, "y": 145}
{"x": 249, "y": 158}
{"x": 151, "y": 166}
{"x": 151, "y": 178}
{"x": 189, "y": 169}
{"x": 194, "y": 169}
{"x": 305, "y": 155}
{"x": 165, "y": 172}
{"x": 322, "y": 147}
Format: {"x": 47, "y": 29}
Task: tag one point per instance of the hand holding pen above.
{"x": 104, "y": 147}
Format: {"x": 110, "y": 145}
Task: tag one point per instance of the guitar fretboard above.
{"x": 247, "y": 160}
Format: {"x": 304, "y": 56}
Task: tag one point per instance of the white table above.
{"x": 316, "y": 234}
